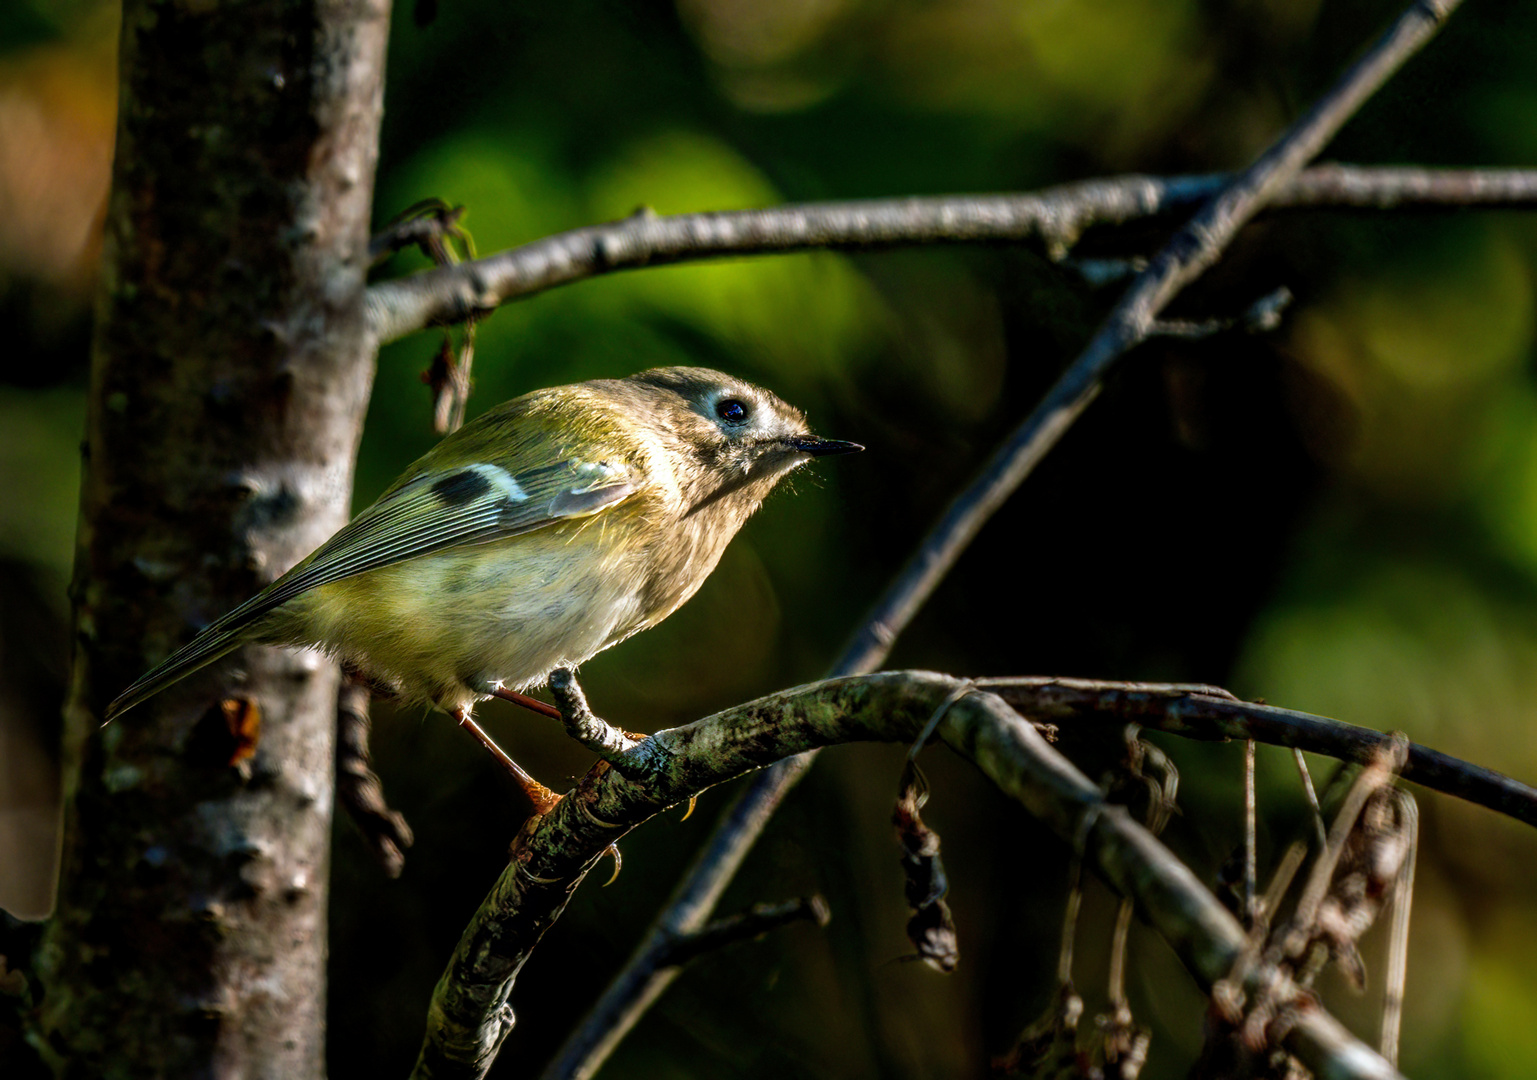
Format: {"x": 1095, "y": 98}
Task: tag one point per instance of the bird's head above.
{"x": 732, "y": 441}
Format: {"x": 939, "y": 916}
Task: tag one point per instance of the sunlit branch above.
{"x": 1055, "y": 218}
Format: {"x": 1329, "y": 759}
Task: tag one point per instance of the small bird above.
{"x": 536, "y": 536}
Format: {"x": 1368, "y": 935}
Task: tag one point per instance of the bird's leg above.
{"x": 612, "y": 745}
{"x": 532, "y": 704}
{"x": 542, "y": 797}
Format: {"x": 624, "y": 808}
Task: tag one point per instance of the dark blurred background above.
{"x": 1339, "y": 517}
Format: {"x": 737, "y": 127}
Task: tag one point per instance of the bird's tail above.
{"x": 220, "y": 638}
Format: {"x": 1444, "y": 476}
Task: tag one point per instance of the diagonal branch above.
{"x": 470, "y": 1013}
{"x": 1055, "y": 217}
{"x": 1191, "y": 250}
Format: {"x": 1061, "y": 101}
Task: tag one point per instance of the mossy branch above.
{"x": 471, "y": 1011}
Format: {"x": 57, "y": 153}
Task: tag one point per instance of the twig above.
{"x": 1250, "y": 870}
{"x": 470, "y": 1013}
{"x": 434, "y": 227}
{"x": 1152, "y": 766}
{"x": 1115, "y": 982}
{"x": 357, "y": 785}
{"x": 753, "y": 923}
{"x": 1056, "y": 217}
{"x": 449, "y": 379}
{"x": 1074, "y": 905}
{"x": 1398, "y": 944}
{"x": 1378, "y": 774}
{"x": 1320, "y": 830}
{"x": 429, "y": 225}
{"x": 1354, "y": 874}
{"x": 1198, "y": 712}
{"x": 1345, "y": 887}
{"x": 1192, "y": 249}
{"x": 1259, "y": 317}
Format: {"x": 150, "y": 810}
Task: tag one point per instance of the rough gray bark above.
{"x": 230, "y": 370}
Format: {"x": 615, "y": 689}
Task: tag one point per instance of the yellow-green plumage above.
{"x": 539, "y": 534}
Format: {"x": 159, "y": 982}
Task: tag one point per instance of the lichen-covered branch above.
{"x": 471, "y": 1008}
{"x": 1054, "y": 218}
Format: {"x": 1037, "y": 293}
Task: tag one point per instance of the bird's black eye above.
{"x": 731, "y": 410}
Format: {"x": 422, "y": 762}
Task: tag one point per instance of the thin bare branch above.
{"x": 753, "y": 923}
{"x": 1208, "y": 712}
{"x": 1055, "y": 218}
{"x": 1192, "y": 249}
{"x": 1398, "y": 943}
{"x": 1259, "y": 317}
{"x": 358, "y": 789}
{"x": 470, "y": 1012}
{"x": 431, "y": 225}
{"x": 1320, "y": 830}
{"x": 1350, "y": 878}
{"x": 603, "y": 739}
{"x": 1250, "y": 842}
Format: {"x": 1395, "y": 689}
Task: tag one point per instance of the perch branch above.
{"x": 470, "y": 1012}
{"x": 1055, "y": 217}
{"x": 1192, "y": 249}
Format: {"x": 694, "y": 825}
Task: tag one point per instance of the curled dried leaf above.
{"x": 931, "y": 928}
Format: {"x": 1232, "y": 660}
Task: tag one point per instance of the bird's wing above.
{"x": 472, "y": 503}
{"x": 469, "y": 504}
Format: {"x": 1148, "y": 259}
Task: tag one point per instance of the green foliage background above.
{"x": 1340, "y": 517}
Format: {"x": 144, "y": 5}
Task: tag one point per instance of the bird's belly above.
{"x": 448, "y": 628}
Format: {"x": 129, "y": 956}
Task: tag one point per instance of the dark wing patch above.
{"x": 419, "y": 518}
{"x": 461, "y": 487}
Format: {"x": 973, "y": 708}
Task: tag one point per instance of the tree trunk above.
{"x": 230, "y": 371}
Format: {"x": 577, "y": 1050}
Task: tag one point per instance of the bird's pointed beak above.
{"x": 810, "y": 444}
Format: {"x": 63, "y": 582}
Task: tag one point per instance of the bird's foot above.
{"x": 612, "y": 851}
{"x": 543, "y": 798}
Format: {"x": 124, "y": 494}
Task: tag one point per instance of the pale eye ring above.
{"x": 731, "y": 410}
